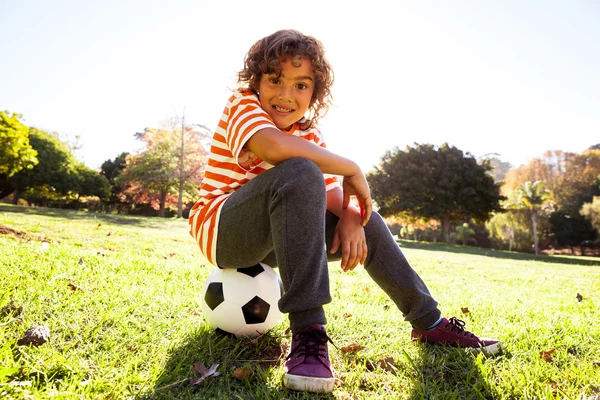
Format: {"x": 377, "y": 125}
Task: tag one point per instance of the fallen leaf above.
{"x": 11, "y": 310}
{"x": 465, "y": 310}
{"x": 74, "y": 287}
{"x": 99, "y": 225}
{"x": 347, "y": 315}
{"x": 109, "y": 233}
{"x": 386, "y": 307}
{"x": 81, "y": 262}
{"x": 172, "y": 254}
{"x": 597, "y": 363}
{"x": 387, "y": 364}
{"x": 366, "y": 289}
{"x": 100, "y": 253}
{"x": 579, "y": 297}
{"x": 352, "y": 347}
{"x": 547, "y": 355}
{"x": 200, "y": 373}
{"x": 194, "y": 311}
{"x": 242, "y": 374}
{"x": 35, "y": 335}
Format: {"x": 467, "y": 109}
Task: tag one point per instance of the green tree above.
{"x": 464, "y": 232}
{"x": 535, "y": 198}
{"x": 16, "y": 153}
{"x": 56, "y": 169}
{"x": 591, "y": 211}
{"x": 435, "y": 183}
{"x": 91, "y": 183}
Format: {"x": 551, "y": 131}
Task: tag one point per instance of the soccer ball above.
{"x": 242, "y": 301}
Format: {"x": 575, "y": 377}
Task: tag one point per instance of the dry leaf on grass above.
{"x": 597, "y": 363}
{"x": 11, "y": 310}
{"x": 347, "y": 315}
{"x": 35, "y": 335}
{"x": 547, "y": 355}
{"x": 352, "y": 348}
{"x": 74, "y": 287}
{"x": 81, "y": 262}
{"x": 200, "y": 373}
{"x": 243, "y": 374}
{"x": 579, "y": 297}
{"x": 386, "y": 364}
{"x": 465, "y": 310}
{"x": 194, "y": 311}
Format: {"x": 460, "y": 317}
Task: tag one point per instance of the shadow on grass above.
{"x": 449, "y": 373}
{"x": 261, "y": 356}
{"x": 507, "y": 255}
{"x": 144, "y": 222}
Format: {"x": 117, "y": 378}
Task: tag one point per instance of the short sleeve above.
{"x": 246, "y": 117}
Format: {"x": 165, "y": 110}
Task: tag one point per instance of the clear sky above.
{"x": 509, "y": 77}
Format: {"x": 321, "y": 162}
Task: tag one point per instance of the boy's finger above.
{"x": 336, "y": 242}
{"x": 364, "y": 253}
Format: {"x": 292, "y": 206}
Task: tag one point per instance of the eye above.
{"x": 301, "y": 86}
{"x": 274, "y": 81}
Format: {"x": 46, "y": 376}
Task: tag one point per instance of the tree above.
{"x": 435, "y": 183}
{"x": 591, "y": 211}
{"x": 464, "y": 232}
{"x": 511, "y": 229}
{"x": 56, "y": 169}
{"x": 16, "y": 153}
{"x": 91, "y": 183}
{"x": 159, "y": 170}
{"x": 533, "y": 197}
{"x": 499, "y": 168}
{"x": 571, "y": 230}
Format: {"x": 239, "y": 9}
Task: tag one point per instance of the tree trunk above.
{"x": 535, "y": 235}
{"x": 163, "y": 198}
{"x": 181, "y": 178}
{"x": 446, "y": 228}
{"x": 16, "y": 196}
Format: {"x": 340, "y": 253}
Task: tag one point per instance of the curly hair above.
{"x": 265, "y": 56}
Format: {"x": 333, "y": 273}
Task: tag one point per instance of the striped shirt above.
{"x": 231, "y": 165}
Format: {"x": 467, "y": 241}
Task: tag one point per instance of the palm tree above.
{"x": 534, "y": 197}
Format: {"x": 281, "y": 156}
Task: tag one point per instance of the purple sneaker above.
{"x": 452, "y": 333}
{"x": 308, "y": 368}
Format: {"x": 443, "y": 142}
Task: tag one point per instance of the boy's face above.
{"x": 287, "y": 98}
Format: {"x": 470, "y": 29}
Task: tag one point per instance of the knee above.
{"x": 376, "y": 226}
{"x": 304, "y": 173}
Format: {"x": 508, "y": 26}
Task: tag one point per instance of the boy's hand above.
{"x": 356, "y": 185}
{"x": 351, "y": 236}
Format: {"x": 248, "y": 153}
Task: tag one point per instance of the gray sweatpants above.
{"x": 280, "y": 218}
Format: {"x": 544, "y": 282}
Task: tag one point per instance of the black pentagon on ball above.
{"x": 214, "y": 295}
{"x": 256, "y": 311}
{"x": 252, "y": 271}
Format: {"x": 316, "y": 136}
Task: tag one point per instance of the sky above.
{"x": 511, "y": 78}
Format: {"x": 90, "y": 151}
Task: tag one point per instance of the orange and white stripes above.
{"x": 230, "y": 165}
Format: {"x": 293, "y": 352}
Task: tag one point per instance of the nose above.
{"x": 285, "y": 93}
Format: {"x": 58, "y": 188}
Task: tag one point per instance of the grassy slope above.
{"x": 133, "y": 330}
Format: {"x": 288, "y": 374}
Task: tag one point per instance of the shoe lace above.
{"x": 459, "y": 325}
{"x": 310, "y": 343}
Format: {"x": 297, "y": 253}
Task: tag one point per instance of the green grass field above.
{"x": 120, "y": 296}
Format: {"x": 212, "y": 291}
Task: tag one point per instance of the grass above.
{"x": 121, "y": 298}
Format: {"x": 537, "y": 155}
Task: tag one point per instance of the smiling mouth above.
{"x": 282, "y": 110}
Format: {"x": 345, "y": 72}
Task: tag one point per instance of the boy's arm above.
{"x": 274, "y": 146}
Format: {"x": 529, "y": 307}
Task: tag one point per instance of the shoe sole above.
{"x": 489, "y": 350}
{"x": 308, "y": 383}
